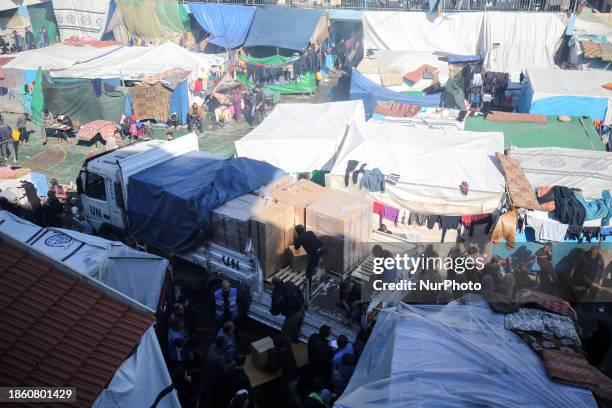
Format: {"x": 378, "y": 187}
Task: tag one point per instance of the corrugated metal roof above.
{"x": 57, "y": 331}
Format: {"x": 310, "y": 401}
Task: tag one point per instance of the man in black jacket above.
{"x": 288, "y": 301}
{"x": 320, "y": 353}
{"x": 314, "y": 248}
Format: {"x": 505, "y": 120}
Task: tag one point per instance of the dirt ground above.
{"x": 61, "y": 160}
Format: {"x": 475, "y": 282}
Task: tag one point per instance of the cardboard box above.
{"x": 343, "y": 221}
{"x": 300, "y": 195}
{"x": 260, "y": 352}
{"x": 298, "y": 259}
{"x": 271, "y": 232}
{"x": 231, "y": 221}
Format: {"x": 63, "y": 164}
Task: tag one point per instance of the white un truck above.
{"x": 158, "y": 195}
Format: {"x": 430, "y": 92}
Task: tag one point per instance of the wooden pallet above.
{"x": 288, "y": 275}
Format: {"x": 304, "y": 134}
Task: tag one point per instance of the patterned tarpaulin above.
{"x": 81, "y": 18}
{"x": 105, "y": 128}
{"x": 151, "y": 101}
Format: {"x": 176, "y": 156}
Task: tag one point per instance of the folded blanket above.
{"x": 497, "y": 116}
{"x": 572, "y": 368}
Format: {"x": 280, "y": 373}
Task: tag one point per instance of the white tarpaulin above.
{"x": 138, "y": 275}
{"x": 403, "y": 62}
{"x": 427, "y": 118}
{"x": 301, "y": 137}
{"x": 587, "y": 170}
{"x": 431, "y": 165}
{"x": 81, "y": 18}
{"x": 508, "y": 42}
{"x": 57, "y": 56}
{"x": 140, "y": 380}
{"x": 138, "y": 62}
{"x": 567, "y": 92}
{"x": 454, "y": 356}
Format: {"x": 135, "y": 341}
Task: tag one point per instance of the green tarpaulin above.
{"x": 38, "y": 99}
{"x": 273, "y": 60}
{"x": 77, "y": 99}
{"x": 41, "y": 15}
{"x": 579, "y": 133}
{"x": 154, "y": 19}
{"x": 305, "y": 84}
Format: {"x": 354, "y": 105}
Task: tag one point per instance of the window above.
{"x": 94, "y": 187}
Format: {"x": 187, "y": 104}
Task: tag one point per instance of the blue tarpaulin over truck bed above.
{"x": 170, "y": 205}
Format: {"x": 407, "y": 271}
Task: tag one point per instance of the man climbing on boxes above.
{"x": 314, "y": 248}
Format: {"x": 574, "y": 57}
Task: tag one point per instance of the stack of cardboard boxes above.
{"x": 342, "y": 220}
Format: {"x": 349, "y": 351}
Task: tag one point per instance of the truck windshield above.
{"x": 94, "y": 187}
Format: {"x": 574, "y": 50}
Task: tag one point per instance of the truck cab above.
{"x": 103, "y": 179}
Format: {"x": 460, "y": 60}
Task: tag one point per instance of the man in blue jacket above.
{"x": 226, "y": 303}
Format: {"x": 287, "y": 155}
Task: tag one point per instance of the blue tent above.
{"x": 228, "y": 25}
{"x": 179, "y": 101}
{"x": 284, "y": 27}
{"x": 370, "y": 92}
{"x": 170, "y": 204}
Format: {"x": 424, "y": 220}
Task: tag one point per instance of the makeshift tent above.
{"x": 142, "y": 380}
{"x": 154, "y": 20}
{"x": 287, "y": 27}
{"x": 566, "y": 92}
{"x": 185, "y": 190}
{"x": 13, "y": 21}
{"x": 554, "y": 166}
{"x": 431, "y": 165}
{"x": 135, "y": 63}
{"x": 508, "y": 42}
{"x": 58, "y": 56}
{"x": 12, "y": 4}
{"x": 301, "y": 137}
{"x": 41, "y": 15}
{"x": 77, "y": 99}
{"x": 138, "y": 275}
{"x": 456, "y": 355}
{"x": 403, "y": 63}
{"x": 81, "y": 18}
{"x": 579, "y": 133}
{"x": 228, "y": 25}
{"x": 370, "y": 92}
{"x": 306, "y": 83}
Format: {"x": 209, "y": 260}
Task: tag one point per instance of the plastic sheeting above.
{"x": 170, "y": 205}
{"x": 140, "y": 380}
{"x": 306, "y": 83}
{"x": 404, "y": 62}
{"x": 138, "y": 62}
{"x": 58, "y": 56}
{"x": 81, "y": 18}
{"x": 554, "y": 166}
{"x": 153, "y": 20}
{"x": 228, "y": 25}
{"x": 431, "y": 164}
{"x": 565, "y": 92}
{"x": 138, "y": 275}
{"x": 179, "y": 101}
{"x": 579, "y": 133}
{"x": 284, "y": 27}
{"x": 508, "y": 42}
{"x": 301, "y": 137}
{"x": 37, "y": 104}
{"x": 370, "y": 92}
{"x": 77, "y": 99}
{"x": 41, "y": 15}
{"x": 456, "y": 355}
